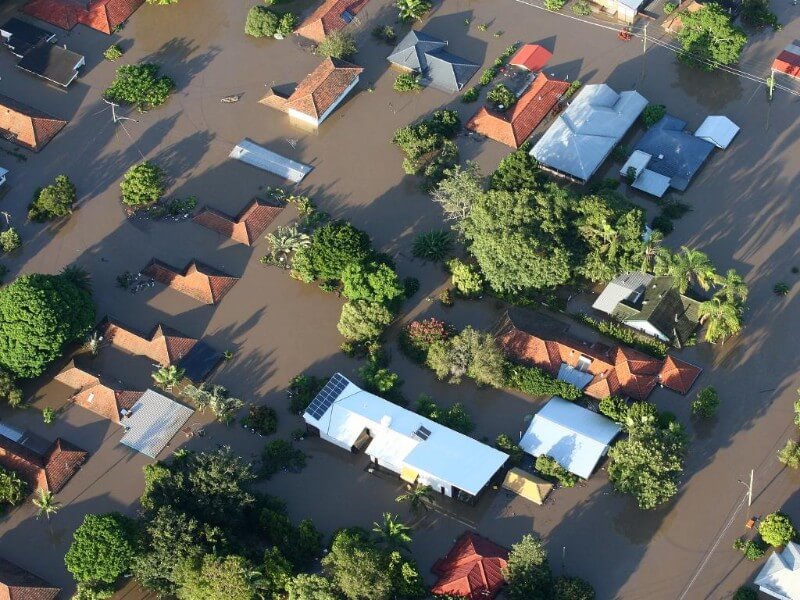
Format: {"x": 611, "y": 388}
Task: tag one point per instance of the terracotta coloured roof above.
{"x": 321, "y": 88}
{"x": 163, "y": 345}
{"x": 529, "y": 111}
{"x": 473, "y": 569}
{"x": 787, "y": 62}
{"x": 678, "y": 375}
{"x": 94, "y": 394}
{"x": 27, "y": 126}
{"x": 244, "y": 228}
{"x": 332, "y": 15}
{"x": 198, "y": 281}
{"x": 532, "y": 57}
{"x": 617, "y": 371}
{"x": 102, "y": 15}
{"x": 50, "y": 470}
{"x": 18, "y": 584}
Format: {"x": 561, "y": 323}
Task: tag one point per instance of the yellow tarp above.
{"x": 409, "y": 475}
{"x": 528, "y": 486}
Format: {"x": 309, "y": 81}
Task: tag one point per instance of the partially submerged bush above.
{"x": 141, "y": 86}
{"x": 53, "y": 201}
{"x": 652, "y": 114}
{"x": 338, "y": 44}
{"x": 407, "y": 82}
{"x": 280, "y": 455}
{"x": 142, "y": 184}
{"x": 550, "y": 468}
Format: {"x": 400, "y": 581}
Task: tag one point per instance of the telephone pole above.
{"x": 114, "y": 117}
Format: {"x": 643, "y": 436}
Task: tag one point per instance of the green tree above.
{"x": 691, "y": 267}
{"x": 776, "y": 529}
{"x": 162, "y": 2}
{"x": 334, "y": 246}
{"x": 168, "y": 377}
{"x": 374, "y": 282}
{"x": 12, "y": 488}
{"x": 708, "y": 39}
{"x": 549, "y": 467}
{"x": 10, "y": 240}
{"x": 142, "y": 184}
{"x": 102, "y": 548}
{"x": 392, "y": 533}
{"x": 745, "y": 593}
{"x": 756, "y": 13}
{"x": 790, "y": 454}
{"x": 113, "y": 52}
{"x": 39, "y": 314}
{"x": 517, "y": 171}
{"x": 357, "y": 568}
{"x": 338, "y": 44}
{"x": 501, "y": 96}
{"x": 53, "y": 201}
{"x": 722, "y": 319}
{"x": 407, "y": 82}
{"x": 141, "y": 86}
{"x": 9, "y": 391}
{"x": 454, "y": 416}
{"x": 652, "y": 114}
{"x": 311, "y": 587}
{"x": 457, "y": 192}
{"x": 406, "y": 580}
{"x": 215, "y": 578}
{"x": 706, "y": 403}
{"x": 466, "y": 278}
{"x": 418, "y": 498}
{"x": 77, "y": 276}
{"x": 362, "y": 320}
{"x": 573, "y": 588}
{"x": 261, "y": 22}
{"x": 471, "y": 353}
{"x": 46, "y": 503}
{"x": 528, "y": 572}
{"x": 413, "y": 10}
{"x": 614, "y": 408}
{"x": 732, "y": 288}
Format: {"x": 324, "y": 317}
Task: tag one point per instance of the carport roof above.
{"x": 153, "y": 422}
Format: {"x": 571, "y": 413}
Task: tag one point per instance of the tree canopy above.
{"x": 708, "y": 38}
{"x": 141, "y": 86}
{"x": 333, "y": 247}
{"x": 39, "y": 314}
{"x": 528, "y": 572}
{"x": 53, "y": 201}
{"x": 102, "y": 548}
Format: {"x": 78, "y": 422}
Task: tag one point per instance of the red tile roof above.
{"x": 50, "y": 470}
{"x": 246, "y": 227}
{"x": 198, "y": 281}
{"x": 617, "y": 371}
{"x": 18, "y": 584}
{"x": 787, "y": 63}
{"x": 163, "y": 345}
{"x": 102, "y": 15}
{"x": 96, "y": 395}
{"x": 27, "y": 126}
{"x": 328, "y": 18}
{"x": 473, "y": 569}
{"x": 532, "y": 57}
{"x": 319, "y": 90}
{"x": 530, "y": 110}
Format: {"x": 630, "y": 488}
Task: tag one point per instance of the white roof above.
{"x": 718, "y": 130}
{"x": 622, "y": 287}
{"x": 638, "y": 160}
{"x": 251, "y": 153}
{"x": 585, "y": 133}
{"x": 153, "y": 422}
{"x": 575, "y": 437}
{"x": 446, "y": 454}
{"x": 780, "y": 575}
{"x": 652, "y": 183}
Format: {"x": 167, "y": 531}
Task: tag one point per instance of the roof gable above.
{"x": 102, "y": 15}
{"x": 245, "y": 227}
{"x": 163, "y": 345}
{"x": 28, "y": 126}
{"x": 197, "y": 280}
{"x": 473, "y": 568}
{"x": 331, "y": 16}
{"x": 18, "y": 584}
{"x": 323, "y": 87}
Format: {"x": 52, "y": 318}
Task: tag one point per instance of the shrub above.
{"x": 385, "y": 33}
{"x": 745, "y": 593}
{"x": 776, "y": 529}
{"x": 625, "y": 335}
{"x": 280, "y": 455}
{"x": 181, "y": 206}
{"x": 554, "y": 4}
{"x": 582, "y": 8}
{"x": 572, "y": 588}
{"x": 53, "y": 201}
{"x": 418, "y": 336}
{"x": 374, "y": 282}
{"x": 550, "y": 468}
{"x": 10, "y": 240}
{"x": 12, "y": 488}
{"x": 669, "y": 8}
{"x": 338, "y": 44}
{"x": 302, "y": 389}
{"x": 620, "y": 153}
{"x": 752, "y": 549}
{"x": 334, "y": 246}
{"x": 261, "y": 22}
{"x": 790, "y": 454}
{"x": 505, "y": 444}
{"x": 112, "y": 53}
{"x": 466, "y": 278}
{"x": 533, "y": 381}
{"x": 471, "y": 353}
{"x": 432, "y": 245}
{"x": 662, "y": 224}
{"x": 781, "y": 289}
{"x": 377, "y": 379}
{"x": 471, "y": 95}
{"x": 614, "y": 408}
{"x": 261, "y": 419}
{"x": 675, "y": 210}
{"x": 572, "y": 89}
{"x": 362, "y": 320}
{"x": 706, "y": 403}
{"x": 48, "y": 415}
{"x": 412, "y": 10}
{"x": 426, "y": 146}
{"x": 756, "y": 13}
{"x": 407, "y": 82}
{"x": 652, "y": 114}
{"x": 141, "y": 86}
{"x": 410, "y": 286}
{"x": 502, "y": 97}
{"x": 455, "y": 417}
{"x": 142, "y": 184}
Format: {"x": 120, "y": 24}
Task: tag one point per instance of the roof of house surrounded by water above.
{"x": 27, "y": 126}
{"x": 18, "y": 584}
{"x": 153, "y": 422}
{"x": 21, "y": 36}
{"x": 49, "y": 470}
{"x": 532, "y": 57}
{"x": 330, "y": 16}
{"x": 246, "y": 227}
{"x": 199, "y": 281}
{"x": 427, "y": 55}
{"x": 103, "y": 15}
{"x": 472, "y": 569}
{"x": 96, "y": 394}
{"x": 53, "y": 63}
{"x": 780, "y": 575}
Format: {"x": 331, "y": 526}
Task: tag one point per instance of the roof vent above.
{"x": 422, "y": 433}
{"x": 90, "y": 399}
{"x": 386, "y": 420}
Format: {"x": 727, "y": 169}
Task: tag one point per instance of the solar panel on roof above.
{"x": 327, "y": 396}
{"x": 423, "y": 433}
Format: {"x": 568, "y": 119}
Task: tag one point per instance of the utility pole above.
{"x": 644, "y": 39}
{"x": 114, "y": 116}
{"x": 749, "y": 488}
{"x": 7, "y": 217}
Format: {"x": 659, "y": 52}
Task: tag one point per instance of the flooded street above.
{"x": 744, "y": 214}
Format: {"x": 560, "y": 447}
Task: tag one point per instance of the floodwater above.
{"x": 743, "y": 215}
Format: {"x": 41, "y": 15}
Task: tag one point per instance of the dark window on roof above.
{"x": 347, "y": 17}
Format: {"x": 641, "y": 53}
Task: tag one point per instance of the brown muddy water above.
{"x": 744, "y": 215}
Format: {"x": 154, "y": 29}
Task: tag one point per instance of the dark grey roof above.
{"x": 675, "y": 153}
{"x": 200, "y": 361}
{"x": 439, "y": 68}
{"x": 24, "y": 36}
{"x": 52, "y": 62}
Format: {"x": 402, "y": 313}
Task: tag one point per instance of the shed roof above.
{"x": 527, "y": 485}
{"x": 473, "y": 569}
{"x": 18, "y": 584}
{"x": 575, "y": 437}
{"x": 251, "y": 153}
{"x": 788, "y": 61}
{"x": 583, "y": 136}
{"x": 27, "y": 126}
{"x": 330, "y": 16}
{"x": 717, "y": 129}
{"x": 102, "y": 15}
{"x": 532, "y": 57}
{"x": 153, "y": 422}
{"x": 52, "y": 62}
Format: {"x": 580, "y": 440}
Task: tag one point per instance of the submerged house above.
{"x": 39, "y": 464}
{"x": 18, "y": 584}
{"x": 103, "y": 15}
{"x": 26, "y": 126}
{"x": 780, "y": 575}
{"x": 329, "y": 17}
{"x": 417, "y": 449}
{"x": 583, "y": 136}
{"x": 94, "y": 393}
{"x": 427, "y": 56}
{"x": 651, "y": 304}
{"x": 320, "y": 92}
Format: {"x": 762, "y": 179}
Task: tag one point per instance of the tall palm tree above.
{"x": 652, "y": 248}
{"x": 692, "y": 267}
{"x": 392, "y": 533}
{"x": 722, "y": 319}
{"x": 168, "y": 377}
{"x": 418, "y": 497}
{"x": 78, "y": 276}
{"x": 47, "y": 504}
{"x": 413, "y": 10}
{"x": 731, "y": 287}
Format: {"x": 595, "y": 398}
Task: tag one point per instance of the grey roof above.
{"x": 780, "y": 575}
{"x": 718, "y": 130}
{"x": 580, "y": 379}
{"x": 24, "y": 35}
{"x": 153, "y": 422}
{"x": 583, "y": 136}
{"x": 632, "y": 4}
{"x": 52, "y": 62}
{"x": 426, "y": 55}
{"x": 623, "y": 287}
{"x": 674, "y": 152}
{"x": 251, "y": 153}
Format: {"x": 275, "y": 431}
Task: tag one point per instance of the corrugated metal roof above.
{"x": 251, "y": 153}
{"x": 621, "y": 288}
{"x": 154, "y": 421}
{"x": 718, "y": 130}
